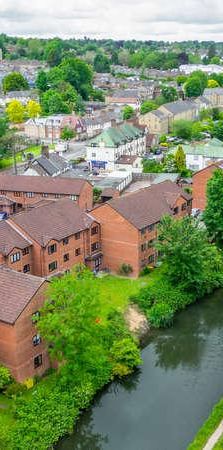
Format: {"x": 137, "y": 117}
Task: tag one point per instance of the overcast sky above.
{"x": 118, "y": 19}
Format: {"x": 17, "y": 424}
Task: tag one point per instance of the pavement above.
{"x": 214, "y": 437}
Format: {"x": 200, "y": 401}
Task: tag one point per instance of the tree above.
{"x": 197, "y": 131}
{"x": 41, "y": 81}
{"x": 215, "y": 60}
{"x": 52, "y": 103}
{"x": 212, "y": 84}
{"x": 3, "y": 126}
{"x": 78, "y": 74}
{"x": 33, "y": 109}
{"x": 127, "y": 112}
{"x": 180, "y": 159}
{"x": 14, "y": 81}
{"x": 218, "y": 130}
{"x": 212, "y": 50}
{"x": 182, "y": 128}
{"x": 147, "y": 106}
{"x": 181, "y": 79}
{"x": 191, "y": 262}
{"x": 15, "y": 111}
{"x": 53, "y": 52}
{"x": 169, "y": 93}
{"x": 67, "y": 133}
{"x": 152, "y": 166}
{"x": 213, "y": 214}
{"x": 169, "y": 164}
{"x": 193, "y": 87}
{"x": 101, "y": 63}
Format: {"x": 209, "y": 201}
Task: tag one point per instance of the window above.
{"x": 38, "y": 361}
{"x": 151, "y": 259}
{"x": 52, "y": 249}
{"x": 66, "y": 257}
{"x": 44, "y": 194}
{"x": 29, "y": 194}
{"x": 94, "y": 246}
{"x": 151, "y": 243}
{"x": 184, "y": 206}
{"x": 151, "y": 227}
{"x": 143, "y": 231}
{"x": 57, "y": 195}
{"x": 17, "y": 194}
{"x": 25, "y": 251}
{"x": 77, "y": 251}
{"x": 73, "y": 197}
{"x": 143, "y": 247}
{"x": 35, "y": 316}
{"x": 15, "y": 257}
{"x": 36, "y": 340}
{"x": 176, "y": 210}
{"x": 77, "y": 236}
{"x": 189, "y": 202}
{"x": 65, "y": 241}
{"x": 94, "y": 230}
{"x": 26, "y": 268}
{"x": 93, "y": 155}
{"x": 52, "y": 266}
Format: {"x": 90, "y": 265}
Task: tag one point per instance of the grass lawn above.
{"x": 208, "y": 429}
{"x": 6, "y": 163}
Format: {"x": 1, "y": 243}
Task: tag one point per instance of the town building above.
{"x": 22, "y": 96}
{"x": 49, "y": 239}
{"x": 104, "y": 150}
{"x": 22, "y": 349}
{"x": 156, "y": 122}
{"x": 129, "y": 224}
{"x": 200, "y": 180}
{"x": 201, "y": 154}
{"x": 214, "y": 96}
{"x": 27, "y": 190}
{"x": 49, "y": 164}
{"x": 206, "y": 68}
{"x": 124, "y": 97}
{"x": 48, "y": 129}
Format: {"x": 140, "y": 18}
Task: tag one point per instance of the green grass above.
{"x": 208, "y": 429}
{"x": 6, "y": 163}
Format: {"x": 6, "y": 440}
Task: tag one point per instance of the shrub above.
{"x": 125, "y": 356}
{"x": 146, "y": 271}
{"x": 125, "y": 269}
{"x": 161, "y": 315}
{"x": 5, "y": 377}
{"x": 15, "y": 389}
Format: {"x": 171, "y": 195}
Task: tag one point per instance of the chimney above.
{"x": 45, "y": 151}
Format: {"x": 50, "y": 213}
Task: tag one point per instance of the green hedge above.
{"x": 208, "y": 428}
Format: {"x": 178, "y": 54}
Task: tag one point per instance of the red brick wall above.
{"x": 200, "y": 180}
{"x": 16, "y": 347}
{"x": 86, "y": 197}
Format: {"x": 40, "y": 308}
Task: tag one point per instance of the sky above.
{"x": 118, "y": 19}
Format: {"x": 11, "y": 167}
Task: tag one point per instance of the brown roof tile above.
{"x": 10, "y": 238}
{"x": 55, "y": 220}
{"x": 146, "y": 206}
{"x": 16, "y": 291}
{"x": 38, "y": 184}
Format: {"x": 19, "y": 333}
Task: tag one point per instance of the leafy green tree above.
{"x": 55, "y": 77}
{"x": 147, "y": 106}
{"x": 169, "y": 164}
{"x": 14, "y": 81}
{"x": 3, "y": 126}
{"x": 169, "y": 93}
{"x": 217, "y": 77}
{"x": 213, "y": 214}
{"x": 41, "y": 81}
{"x": 152, "y": 166}
{"x": 52, "y": 103}
{"x": 180, "y": 159}
{"x": 53, "y": 52}
{"x": 78, "y": 74}
{"x": 193, "y": 87}
{"x": 181, "y": 79}
{"x": 218, "y": 130}
{"x": 191, "y": 262}
{"x": 197, "y": 130}
{"x": 5, "y": 377}
{"x": 212, "y": 84}
{"x": 67, "y": 134}
{"x": 182, "y": 128}
{"x": 33, "y": 109}
{"x": 216, "y": 114}
{"x": 15, "y": 111}
{"x": 101, "y": 63}
{"x": 128, "y": 112}
{"x": 215, "y": 60}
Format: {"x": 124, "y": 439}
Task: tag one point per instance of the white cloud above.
{"x": 119, "y": 19}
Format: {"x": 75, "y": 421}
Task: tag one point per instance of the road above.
{"x": 76, "y": 150}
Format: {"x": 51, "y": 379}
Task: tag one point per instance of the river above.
{"x": 162, "y": 405}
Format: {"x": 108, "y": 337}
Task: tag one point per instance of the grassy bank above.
{"x": 208, "y": 429}
{"x": 6, "y": 163}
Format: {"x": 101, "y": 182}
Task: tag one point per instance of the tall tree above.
{"x": 33, "y": 109}
{"x": 127, "y": 112}
{"x": 169, "y": 93}
{"x": 213, "y": 214}
{"x": 14, "y": 81}
{"x": 180, "y": 159}
{"x": 15, "y": 111}
{"x": 101, "y": 63}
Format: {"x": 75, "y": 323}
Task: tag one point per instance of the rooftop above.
{"x": 211, "y": 149}
{"x": 115, "y": 136}
{"x": 17, "y": 289}
{"x": 10, "y": 238}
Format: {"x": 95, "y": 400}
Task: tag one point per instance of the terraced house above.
{"x": 104, "y": 150}
{"x": 201, "y": 155}
{"x": 26, "y": 190}
{"x": 50, "y": 238}
{"x": 129, "y": 224}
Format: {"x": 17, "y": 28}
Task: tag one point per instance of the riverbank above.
{"x": 208, "y": 428}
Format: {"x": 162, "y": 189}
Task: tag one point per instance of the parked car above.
{"x": 195, "y": 212}
{"x": 3, "y": 215}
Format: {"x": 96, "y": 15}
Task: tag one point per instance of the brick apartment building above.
{"x": 129, "y": 224}
{"x": 50, "y": 238}
{"x": 200, "y": 180}
{"x": 26, "y": 190}
{"x": 21, "y": 347}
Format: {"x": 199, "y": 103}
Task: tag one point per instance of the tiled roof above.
{"x": 23, "y": 183}
{"x": 211, "y": 149}
{"x": 179, "y": 106}
{"x": 52, "y": 165}
{"x": 146, "y": 206}
{"x": 10, "y": 238}
{"x": 16, "y": 291}
{"x": 55, "y": 220}
{"x": 115, "y": 136}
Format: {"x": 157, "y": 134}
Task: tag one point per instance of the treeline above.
{"x": 103, "y": 53}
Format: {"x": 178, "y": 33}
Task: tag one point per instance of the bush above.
{"x": 15, "y": 389}
{"x": 161, "y": 315}
{"x": 146, "y": 271}
{"x": 5, "y": 377}
{"x": 125, "y": 269}
{"x": 125, "y": 356}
